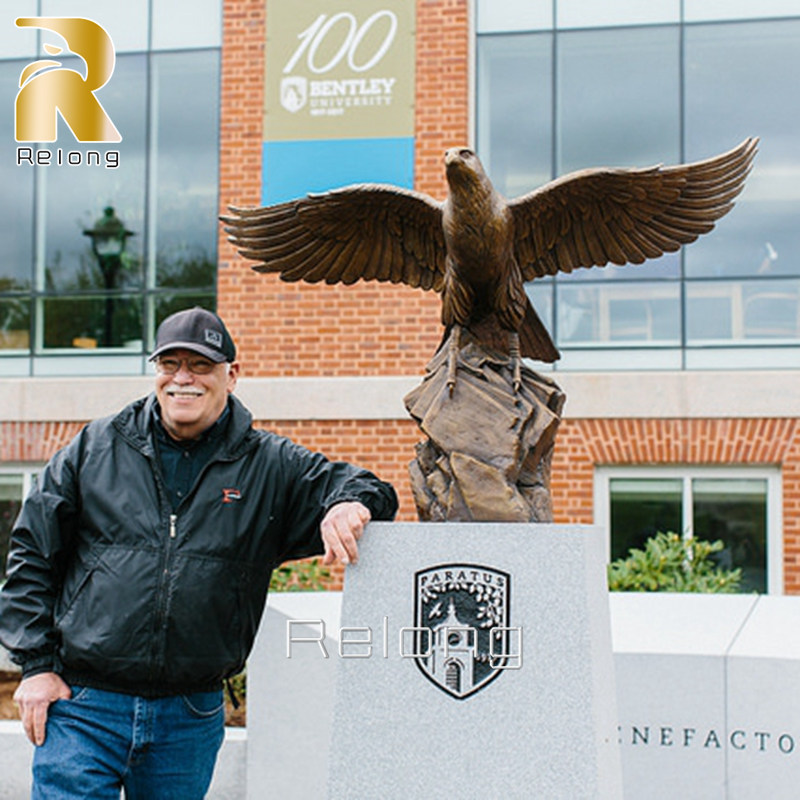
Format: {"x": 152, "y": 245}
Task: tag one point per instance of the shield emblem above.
{"x": 466, "y": 609}
{"x": 294, "y": 92}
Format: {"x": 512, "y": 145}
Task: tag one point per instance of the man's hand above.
{"x": 34, "y": 696}
{"x": 341, "y": 529}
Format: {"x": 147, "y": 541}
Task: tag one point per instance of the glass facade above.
{"x": 67, "y": 305}
{"x": 731, "y": 510}
{"x": 577, "y": 89}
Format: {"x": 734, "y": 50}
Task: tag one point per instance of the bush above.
{"x": 669, "y": 563}
{"x": 300, "y": 576}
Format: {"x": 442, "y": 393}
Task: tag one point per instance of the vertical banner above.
{"x": 339, "y": 95}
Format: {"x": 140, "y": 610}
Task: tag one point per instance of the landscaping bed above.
{"x": 10, "y": 680}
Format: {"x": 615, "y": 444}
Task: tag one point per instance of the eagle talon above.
{"x": 516, "y": 361}
{"x": 452, "y": 358}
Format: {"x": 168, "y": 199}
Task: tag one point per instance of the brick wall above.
{"x": 301, "y": 329}
{"x": 386, "y": 447}
{"x": 22, "y": 442}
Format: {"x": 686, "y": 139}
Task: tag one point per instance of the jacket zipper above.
{"x": 162, "y": 600}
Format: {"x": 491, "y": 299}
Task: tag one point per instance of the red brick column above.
{"x": 301, "y": 329}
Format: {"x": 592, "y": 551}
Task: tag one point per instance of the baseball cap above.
{"x": 198, "y": 330}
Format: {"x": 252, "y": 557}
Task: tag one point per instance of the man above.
{"x": 139, "y": 567}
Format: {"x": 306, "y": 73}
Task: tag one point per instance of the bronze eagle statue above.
{"x": 477, "y": 248}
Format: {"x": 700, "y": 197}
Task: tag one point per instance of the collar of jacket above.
{"x": 134, "y": 424}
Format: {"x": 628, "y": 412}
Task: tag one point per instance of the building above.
{"x": 681, "y": 375}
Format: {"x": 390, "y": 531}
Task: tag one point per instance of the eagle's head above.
{"x": 464, "y": 169}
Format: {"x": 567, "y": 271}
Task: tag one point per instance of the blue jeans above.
{"x": 156, "y": 749}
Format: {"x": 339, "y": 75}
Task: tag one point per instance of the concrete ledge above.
{"x": 707, "y": 699}
{"x": 607, "y": 395}
{"x": 6, "y": 664}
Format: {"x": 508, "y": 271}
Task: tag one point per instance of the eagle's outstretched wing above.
{"x": 361, "y": 232}
{"x": 596, "y": 216}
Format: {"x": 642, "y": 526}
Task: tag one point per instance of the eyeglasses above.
{"x": 197, "y": 365}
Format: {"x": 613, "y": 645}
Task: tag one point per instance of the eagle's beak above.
{"x": 451, "y": 155}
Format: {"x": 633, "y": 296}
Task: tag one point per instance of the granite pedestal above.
{"x": 419, "y": 713}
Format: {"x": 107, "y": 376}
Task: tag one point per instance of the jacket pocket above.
{"x": 106, "y": 624}
{"x": 205, "y": 638}
{"x": 75, "y": 582}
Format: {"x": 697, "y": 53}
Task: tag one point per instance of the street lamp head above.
{"x": 109, "y": 235}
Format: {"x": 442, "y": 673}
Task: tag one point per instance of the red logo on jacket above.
{"x": 229, "y": 495}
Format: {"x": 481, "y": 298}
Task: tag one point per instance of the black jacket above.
{"x": 111, "y": 588}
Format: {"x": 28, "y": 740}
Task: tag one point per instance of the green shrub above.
{"x": 669, "y": 563}
{"x": 300, "y": 576}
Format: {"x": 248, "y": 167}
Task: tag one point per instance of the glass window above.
{"x": 734, "y": 511}
{"x": 512, "y": 15}
{"x": 126, "y": 23}
{"x": 540, "y": 293}
{"x": 754, "y": 311}
{"x": 186, "y": 23}
{"x": 186, "y": 123}
{"x": 589, "y": 13}
{"x": 668, "y": 266}
{"x": 167, "y": 303}
{"x": 641, "y": 508}
{"x": 16, "y": 199}
{"x": 14, "y": 485}
{"x": 639, "y": 94}
{"x": 63, "y": 288}
{"x": 705, "y": 503}
{"x": 89, "y": 322}
{"x": 77, "y": 195}
{"x": 611, "y": 112}
{"x": 702, "y": 10}
{"x": 18, "y": 42}
{"x": 618, "y": 98}
{"x": 515, "y": 101}
{"x": 738, "y": 77}
{"x": 15, "y": 323}
{"x": 624, "y": 313}
{"x": 75, "y": 198}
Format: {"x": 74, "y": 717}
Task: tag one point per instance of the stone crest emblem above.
{"x": 462, "y": 626}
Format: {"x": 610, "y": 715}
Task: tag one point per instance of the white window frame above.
{"x": 686, "y": 473}
{"x": 28, "y": 470}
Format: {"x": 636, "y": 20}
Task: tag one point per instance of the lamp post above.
{"x": 108, "y": 236}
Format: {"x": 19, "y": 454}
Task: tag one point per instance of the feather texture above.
{"x": 476, "y": 248}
